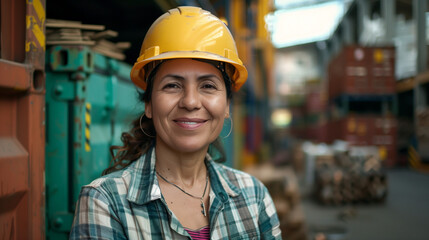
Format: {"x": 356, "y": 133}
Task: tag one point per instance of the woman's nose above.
{"x": 191, "y": 99}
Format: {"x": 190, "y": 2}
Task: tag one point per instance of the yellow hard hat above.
{"x": 188, "y": 32}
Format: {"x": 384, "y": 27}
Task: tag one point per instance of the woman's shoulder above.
{"x": 239, "y": 178}
{"x": 232, "y": 172}
{"x": 116, "y": 182}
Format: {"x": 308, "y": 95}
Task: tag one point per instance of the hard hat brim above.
{"x": 138, "y": 74}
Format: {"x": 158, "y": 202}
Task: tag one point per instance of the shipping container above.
{"x": 90, "y": 101}
{"x": 367, "y": 130}
{"x": 362, "y": 70}
{"x": 22, "y": 121}
{"x": 316, "y": 102}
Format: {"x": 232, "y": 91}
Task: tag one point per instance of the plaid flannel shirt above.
{"x": 128, "y": 204}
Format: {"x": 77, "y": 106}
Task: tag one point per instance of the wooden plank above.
{"x": 404, "y": 85}
{"x": 65, "y": 38}
{"x": 423, "y": 78}
{"x": 88, "y": 33}
{"x": 123, "y": 45}
{"x": 70, "y": 42}
{"x": 53, "y": 34}
{"x": 107, "y": 44}
{"x": 105, "y": 34}
{"x": 69, "y": 31}
{"x": 108, "y": 53}
{"x": 56, "y": 36}
{"x": 51, "y": 20}
{"x": 408, "y": 83}
{"x": 75, "y": 25}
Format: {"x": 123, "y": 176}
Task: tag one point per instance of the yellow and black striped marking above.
{"x": 415, "y": 160}
{"x": 87, "y": 125}
{"x": 413, "y": 157}
{"x": 35, "y": 21}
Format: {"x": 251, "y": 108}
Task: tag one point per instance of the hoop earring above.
{"x": 141, "y": 117}
{"x": 230, "y": 130}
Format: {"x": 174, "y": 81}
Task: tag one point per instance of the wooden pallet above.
{"x": 408, "y": 84}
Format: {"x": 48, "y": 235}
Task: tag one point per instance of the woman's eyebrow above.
{"x": 200, "y": 78}
{"x": 210, "y": 75}
{"x": 175, "y": 76}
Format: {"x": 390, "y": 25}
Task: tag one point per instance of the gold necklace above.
{"x": 203, "y": 206}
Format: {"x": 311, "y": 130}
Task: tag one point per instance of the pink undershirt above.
{"x": 200, "y": 234}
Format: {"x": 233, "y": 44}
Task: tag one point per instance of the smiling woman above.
{"x": 163, "y": 183}
{"x": 188, "y": 106}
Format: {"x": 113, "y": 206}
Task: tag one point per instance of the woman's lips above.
{"x": 189, "y": 123}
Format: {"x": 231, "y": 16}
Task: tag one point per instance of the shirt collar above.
{"x": 144, "y": 186}
{"x": 218, "y": 177}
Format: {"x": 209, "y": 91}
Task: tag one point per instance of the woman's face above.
{"x": 188, "y": 104}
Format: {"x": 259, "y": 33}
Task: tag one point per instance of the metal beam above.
{"x": 347, "y": 30}
{"x": 362, "y": 14}
{"x": 388, "y": 15}
{"x": 419, "y": 15}
{"x": 336, "y": 44}
{"x": 15, "y": 76}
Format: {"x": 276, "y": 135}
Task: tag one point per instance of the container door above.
{"x": 22, "y": 122}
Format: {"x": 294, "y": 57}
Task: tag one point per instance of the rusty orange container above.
{"x": 362, "y": 70}
{"x": 374, "y": 130}
{"x": 22, "y": 123}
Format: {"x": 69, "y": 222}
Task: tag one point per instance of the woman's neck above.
{"x": 180, "y": 167}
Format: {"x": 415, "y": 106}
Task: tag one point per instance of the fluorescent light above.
{"x": 281, "y": 117}
{"x": 305, "y": 24}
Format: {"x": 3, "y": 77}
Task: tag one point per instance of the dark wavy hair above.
{"x": 136, "y": 143}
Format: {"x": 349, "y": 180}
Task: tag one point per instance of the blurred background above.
{"x": 333, "y": 117}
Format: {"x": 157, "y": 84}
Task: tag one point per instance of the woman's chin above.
{"x": 191, "y": 148}
{"x": 189, "y": 145}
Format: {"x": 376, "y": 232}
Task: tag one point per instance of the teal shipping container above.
{"x": 90, "y": 101}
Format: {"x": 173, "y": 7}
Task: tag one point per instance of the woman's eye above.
{"x": 171, "y": 85}
{"x": 209, "y": 86}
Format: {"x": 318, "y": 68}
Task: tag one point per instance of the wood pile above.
{"x": 283, "y": 187}
{"x": 64, "y": 32}
{"x": 298, "y": 158}
{"x": 347, "y": 178}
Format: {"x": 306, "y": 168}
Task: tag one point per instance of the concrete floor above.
{"x": 404, "y": 215}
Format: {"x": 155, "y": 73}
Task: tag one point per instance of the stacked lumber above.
{"x": 298, "y": 158}
{"x": 350, "y": 178}
{"x": 283, "y": 187}
{"x": 64, "y": 32}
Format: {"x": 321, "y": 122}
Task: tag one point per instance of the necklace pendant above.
{"x": 204, "y": 209}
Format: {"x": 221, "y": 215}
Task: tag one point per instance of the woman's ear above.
{"x": 148, "y": 110}
{"x": 227, "y": 114}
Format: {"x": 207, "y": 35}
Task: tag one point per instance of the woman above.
{"x": 164, "y": 183}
